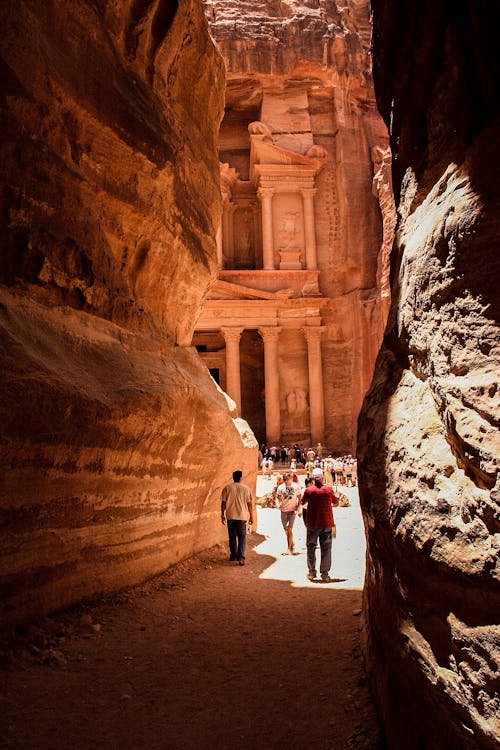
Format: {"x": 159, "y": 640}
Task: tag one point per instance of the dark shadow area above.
{"x": 206, "y": 655}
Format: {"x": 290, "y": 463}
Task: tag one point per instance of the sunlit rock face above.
{"x": 428, "y": 433}
{"x": 109, "y": 135}
{"x": 302, "y": 70}
{"x": 115, "y": 441}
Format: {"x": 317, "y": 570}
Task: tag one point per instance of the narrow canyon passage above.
{"x": 209, "y": 655}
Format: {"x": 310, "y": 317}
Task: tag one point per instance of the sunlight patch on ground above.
{"x": 348, "y": 553}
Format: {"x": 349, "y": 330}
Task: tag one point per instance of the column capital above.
{"x": 308, "y": 192}
{"x": 313, "y": 333}
{"x": 270, "y": 333}
{"x": 265, "y": 192}
{"x": 232, "y": 333}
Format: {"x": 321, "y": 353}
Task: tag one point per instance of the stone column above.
{"x": 309, "y": 228}
{"x": 270, "y": 336}
{"x": 233, "y": 381}
{"x": 266, "y": 200}
{"x": 316, "y": 397}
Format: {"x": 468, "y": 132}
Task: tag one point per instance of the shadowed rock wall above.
{"x": 114, "y": 440}
{"x": 428, "y": 433}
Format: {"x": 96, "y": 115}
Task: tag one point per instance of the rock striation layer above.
{"x": 302, "y": 72}
{"x": 429, "y": 444}
{"x": 115, "y": 441}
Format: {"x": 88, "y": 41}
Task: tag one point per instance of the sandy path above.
{"x": 209, "y": 655}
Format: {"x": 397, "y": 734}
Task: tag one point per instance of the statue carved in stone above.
{"x": 296, "y": 402}
{"x": 317, "y": 152}
{"x": 258, "y": 128}
{"x": 288, "y": 228}
{"x": 246, "y": 256}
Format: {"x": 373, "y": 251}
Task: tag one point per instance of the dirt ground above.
{"x": 209, "y": 655}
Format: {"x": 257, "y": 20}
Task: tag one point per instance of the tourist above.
{"x": 288, "y": 501}
{"x": 328, "y": 471}
{"x": 298, "y": 453}
{"x": 354, "y": 472}
{"x": 337, "y": 467}
{"x": 309, "y": 468}
{"x": 236, "y": 510}
{"x": 320, "y": 525}
{"x": 293, "y": 464}
{"x": 344, "y": 470}
{"x": 310, "y": 455}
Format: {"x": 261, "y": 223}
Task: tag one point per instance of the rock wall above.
{"x": 428, "y": 433}
{"x": 114, "y": 440}
{"x": 303, "y": 69}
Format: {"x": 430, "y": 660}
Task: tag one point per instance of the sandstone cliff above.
{"x": 303, "y": 69}
{"x": 115, "y": 441}
{"x": 428, "y": 433}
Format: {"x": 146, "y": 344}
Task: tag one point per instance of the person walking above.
{"x": 288, "y": 501}
{"x": 236, "y": 510}
{"x": 328, "y": 471}
{"x": 320, "y": 525}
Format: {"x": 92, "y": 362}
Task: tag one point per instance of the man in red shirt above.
{"x": 320, "y": 524}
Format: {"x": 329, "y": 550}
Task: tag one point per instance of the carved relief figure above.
{"x": 296, "y": 402}
{"x": 288, "y": 229}
{"x": 246, "y": 255}
{"x": 258, "y": 128}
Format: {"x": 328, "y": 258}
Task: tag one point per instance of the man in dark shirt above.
{"x": 320, "y": 524}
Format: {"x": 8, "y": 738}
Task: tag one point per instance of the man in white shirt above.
{"x": 236, "y": 510}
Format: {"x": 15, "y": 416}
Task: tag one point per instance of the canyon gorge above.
{"x": 231, "y": 222}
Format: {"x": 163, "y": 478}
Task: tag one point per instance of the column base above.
{"x": 290, "y": 259}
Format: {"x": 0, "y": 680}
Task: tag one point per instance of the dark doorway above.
{"x": 215, "y": 373}
{"x": 252, "y": 383}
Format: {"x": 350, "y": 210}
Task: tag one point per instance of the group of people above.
{"x": 314, "y": 503}
{"x": 281, "y": 454}
{"x": 338, "y": 471}
{"x": 342, "y": 470}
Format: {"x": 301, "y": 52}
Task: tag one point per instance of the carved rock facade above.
{"x": 115, "y": 442}
{"x": 428, "y": 434}
{"x": 307, "y": 224}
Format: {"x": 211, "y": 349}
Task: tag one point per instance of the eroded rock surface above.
{"x": 115, "y": 442}
{"x": 428, "y": 433}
